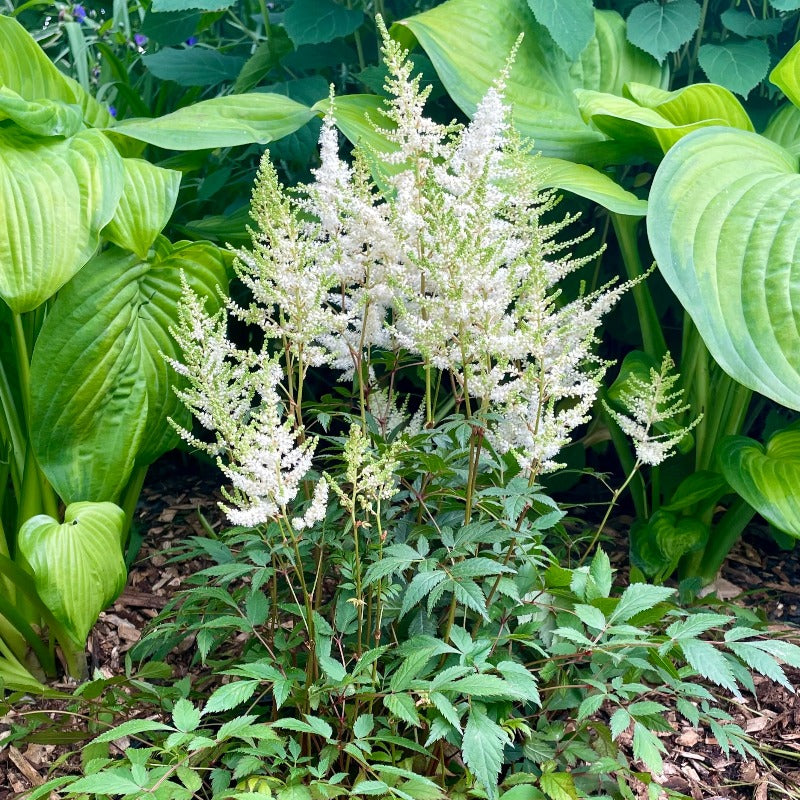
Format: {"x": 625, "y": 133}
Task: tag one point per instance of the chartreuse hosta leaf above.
{"x": 784, "y": 128}
{"x": 723, "y": 223}
{"x": 353, "y": 113}
{"x": 101, "y": 391}
{"x": 29, "y": 73}
{"x": 785, "y": 74}
{"x": 653, "y": 119}
{"x": 77, "y": 565}
{"x": 221, "y": 122}
{"x": 768, "y": 476}
{"x": 148, "y": 198}
{"x": 40, "y": 117}
{"x": 55, "y": 198}
{"x": 469, "y": 48}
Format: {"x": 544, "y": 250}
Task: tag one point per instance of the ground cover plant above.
{"x": 408, "y": 633}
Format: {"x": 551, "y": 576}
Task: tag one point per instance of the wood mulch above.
{"x": 757, "y": 575}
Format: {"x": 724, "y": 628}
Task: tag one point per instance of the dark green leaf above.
{"x": 193, "y": 66}
{"x": 661, "y": 28}
{"x": 569, "y": 22}
{"x": 170, "y": 28}
{"x": 317, "y": 21}
{"x": 739, "y": 66}
{"x": 745, "y": 24}
{"x": 483, "y": 744}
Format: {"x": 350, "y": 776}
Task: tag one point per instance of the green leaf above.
{"x": 785, "y": 74}
{"x": 739, "y": 66}
{"x": 317, "y": 21}
{"x": 620, "y": 720}
{"x": 468, "y": 49}
{"x": 106, "y": 782}
{"x": 27, "y": 71}
{"x": 785, "y": 5}
{"x": 706, "y": 660}
{"x": 600, "y": 572}
{"x": 230, "y": 695}
{"x": 148, "y": 198}
{"x": 193, "y": 66}
{"x": 639, "y": 597}
{"x": 766, "y": 477}
{"x": 783, "y": 128}
{"x": 184, "y": 5}
{"x": 363, "y": 726}
{"x": 730, "y": 254}
{"x": 744, "y": 24}
{"x": 77, "y": 565}
{"x": 482, "y": 748}
{"x": 131, "y": 728}
{"x": 40, "y": 117}
{"x": 185, "y": 716}
{"x": 172, "y": 27}
{"x": 695, "y": 624}
{"x": 569, "y": 22}
{"x": 228, "y": 121}
{"x": 265, "y": 58}
{"x": 558, "y": 786}
{"x": 591, "y": 617}
{"x": 647, "y": 747}
{"x": 402, "y": 706}
{"x": 55, "y": 198}
{"x": 661, "y": 28}
{"x": 421, "y": 585}
{"x": 101, "y": 391}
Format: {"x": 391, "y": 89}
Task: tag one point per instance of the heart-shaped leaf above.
{"x": 766, "y": 477}
{"x": 256, "y": 118}
{"x": 148, "y": 198}
{"x": 661, "y": 28}
{"x": 101, "y": 391}
{"x": 740, "y": 66}
{"x": 469, "y": 48}
{"x": 571, "y": 23}
{"x": 723, "y": 224}
{"x": 77, "y": 565}
{"x": 55, "y": 198}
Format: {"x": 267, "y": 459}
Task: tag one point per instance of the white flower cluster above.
{"x": 451, "y": 263}
{"x": 234, "y": 395}
{"x": 653, "y": 406}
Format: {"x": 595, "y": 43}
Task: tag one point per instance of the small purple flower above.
{"x": 79, "y": 12}
{"x": 191, "y": 41}
{"x": 112, "y": 110}
{"x": 140, "y": 39}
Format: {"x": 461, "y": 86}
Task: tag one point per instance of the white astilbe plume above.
{"x": 234, "y": 395}
{"x": 653, "y": 407}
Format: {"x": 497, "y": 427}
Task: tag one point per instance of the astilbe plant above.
{"x": 406, "y": 630}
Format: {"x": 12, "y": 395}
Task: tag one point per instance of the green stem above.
{"x": 697, "y": 41}
{"x": 131, "y": 497}
{"x": 627, "y": 461}
{"x": 724, "y": 535}
{"x": 653, "y": 340}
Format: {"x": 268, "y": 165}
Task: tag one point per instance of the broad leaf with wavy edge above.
{"x": 40, "y": 117}
{"x": 228, "y": 121}
{"x": 56, "y": 196}
{"x": 653, "y": 119}
{"x": 77, "y": 565}
{"x": 101, "y": 390}
{"x": 27, "y": 71}
{"x": 786, "y": 74}
{"x": 723, "y": 223}
{"x": 783, "y": 128}
{"x": 148, "y": 199}
{"x": 469, "y": 48}
{"x": 353, "y": 112}
{"x": 766, "y": 477}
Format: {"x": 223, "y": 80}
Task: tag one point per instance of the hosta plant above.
{"x": 406, "y": 631}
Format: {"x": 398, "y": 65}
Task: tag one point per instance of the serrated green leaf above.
{"x": 131, "y": 728}
{"x": 744, "y": 24}
{"x": 411, "y": 666}
{"x": 591, "y": 616}
{"x": 639, "y": 597}
{"x": 620, "y": 721}
{"x": 421, "y": 585}
{"x": 647, "y": 747}
{"x": 363, "y": 726}
{"x": 601, "y": 573}
{"x": 760, "y": 662}
{"x": 558, "y": 786}
{"x": 695, "y": 624}
{"x": 469, "y": 594}
{"x": 590, "y": 705}
{"x": 521, "y": 678}
{"x": 661, "y": 28}
{"x": 106, "y": 782}
{"x": 446, "y": 709}
{"x": 482, "y": 748}
{"x": 403, "y": 707}
{"x": 739, "y": 66}
{"x": 569, "y": 22}
{"x": 185, "y": 715}
{"x": 230, "y": 695}
{"x": 706, "y": 660}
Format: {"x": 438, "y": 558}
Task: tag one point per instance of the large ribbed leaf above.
{"x": 723, "y": 223}
{"x": 654, "y": 120}
{"x": 56, "y": 195}
{"x": 786, "y": 75}
{"x": 77, "y": 565}
{"x": 228, "y": 121}
{"x": 469, "y": 45}
{"x": 784, "y": 128}
{"x": 767, "y": 477}
{"x": 148, "y": 198}
{"x": 353, "y": 113}
{"x": 27, "y": 71}
{"x": 101, "y": 390}
{"x": 40, "y": 117}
